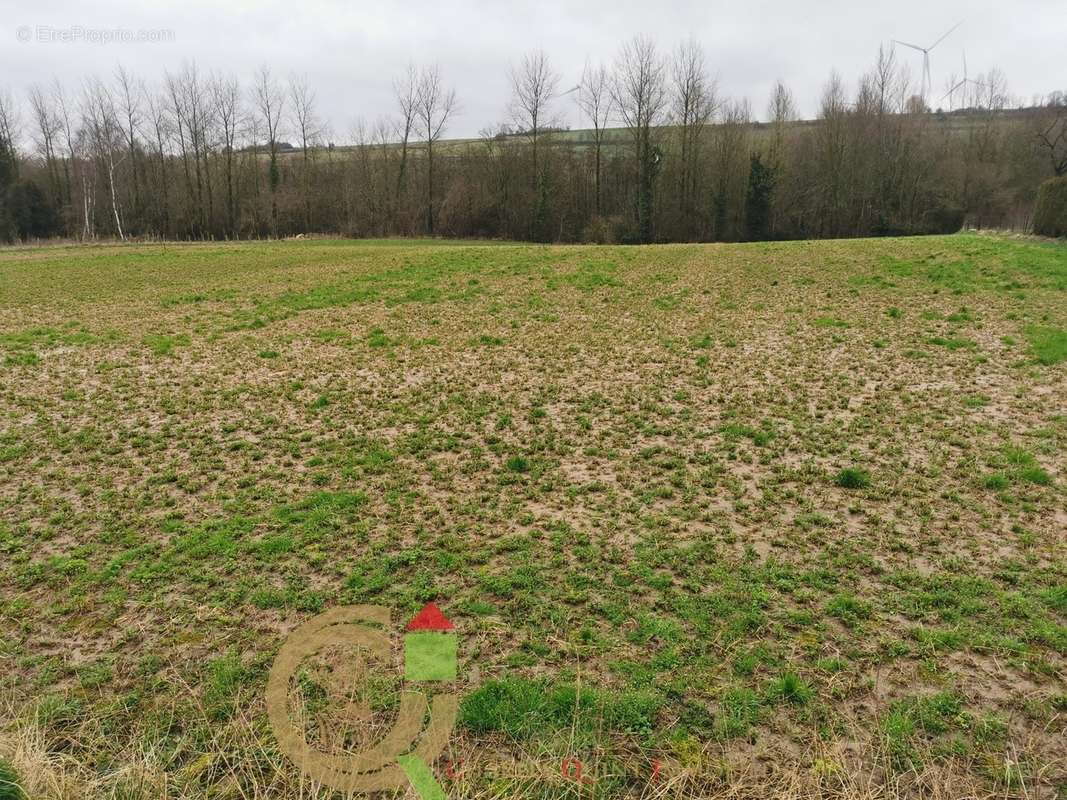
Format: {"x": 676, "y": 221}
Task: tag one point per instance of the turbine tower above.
{"x": 926, "y": 57}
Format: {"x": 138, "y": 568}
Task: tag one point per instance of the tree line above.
{"x": 665, "y": 156}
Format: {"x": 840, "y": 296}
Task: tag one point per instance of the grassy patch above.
{"x": 525, "y": 709}
{"x": 164, "y": 345}
{"x": 1048, "y": 345}
{"x": 791, "y": 688}
{"x": 853, "y": 478}
{"x": 10, "y": 785}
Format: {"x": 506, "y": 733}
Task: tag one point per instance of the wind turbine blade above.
{"x": 950, "y": 91}
{"x": 945, "y": 35}
{"x": 912, "y": 46}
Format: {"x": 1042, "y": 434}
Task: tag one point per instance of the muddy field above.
{"x": 728, "y": 519}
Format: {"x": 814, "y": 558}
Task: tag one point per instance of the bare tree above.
{"x": 8, "y": 163}
{"x": 533, "y": 86}
{"x": 270, "y": 103}
{"x": 890, "y": 83}
{"x": 594, "y": 100}
{"x": 162, "y": 131}
{"x": 226, "y": 100}
{"x": 639, "y": 93}
{"x": 434, "y": 106}
{"x": 46, "y": 136}
{"x": 9, "y": 124}
{"x": 105, "y": 133}
{"x": 78, "y": 170}
{"x": 832, "y": 144}
{"x": 781, "y": 110}
{"x": 8, "y": 117}
{"x": 64, "y": 138}
{"x": 194, "y": 117}
{"x": 307, "y": 125}
{"x": 130, "y": 96}
{"x": 994, "y": 90}
{"x": 730, "y": 161}
{"x": 406, "y": 91}
{"x": 156, "y": 162}
{"x": 693, "y": 104}
{"x": 175, "y": 96}
{"x": 781, "y": 113}
{"x": 1052, "y": 131}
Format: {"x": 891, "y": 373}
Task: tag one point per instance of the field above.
{"x": 618, "y": 140}
{"x": 740, "y": 520}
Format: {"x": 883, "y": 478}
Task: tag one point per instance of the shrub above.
{"x": 1050, "y": 210}
{"x": 601, "y": 230}
{"x": 942, "y": 219}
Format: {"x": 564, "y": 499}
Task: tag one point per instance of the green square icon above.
{"x": 430, "y": 656}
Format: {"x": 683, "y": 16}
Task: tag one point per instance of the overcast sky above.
{"x": 351, "y": 50}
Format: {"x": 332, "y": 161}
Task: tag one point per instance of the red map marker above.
{"x": 430, "y": 619}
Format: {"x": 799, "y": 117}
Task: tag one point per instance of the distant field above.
{"x": 618, "y": 139}
{"x": 757, "y": 520}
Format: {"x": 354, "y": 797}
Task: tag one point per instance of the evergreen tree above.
{"x": 33, "y": 216}
{"x": 8, "y": 178}
{"x": 758, "y": 198}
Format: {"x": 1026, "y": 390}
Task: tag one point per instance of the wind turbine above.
{"x": 568, "y": 92}
{"x": 964, "y": 81}
{"x": 926, "y": 57}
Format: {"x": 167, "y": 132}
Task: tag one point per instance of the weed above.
{"x": 853, "y": 478}
{"x": 1035, "y": 475}
{"x": 998, "y": 482}
{"x": 830, "y": 322}
{"x": 224, "y": 678}
{"x": 164, "y": 345}
{"x": 848, "y": 609}
{"x": 790, "y": 687}
{"x": 740, "y": 709}
{"x": 952, "y": 343}
{"x": 377, "y": 338}
{"x": 517, "y": 464}
{"x": 916, "y": 720}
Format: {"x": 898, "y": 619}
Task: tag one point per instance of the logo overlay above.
{"x": 340, "y": 711}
